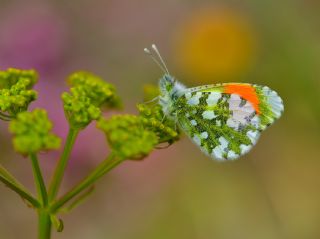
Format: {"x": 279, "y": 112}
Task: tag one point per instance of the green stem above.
{"x": 4, "y": 118}
{"x": 61, "y": 166}
{"x": 17, "y": 187}
{"x": 41, "y": 187}
{"x": 78, "y": 200}
{"x": 44, "y": 225}
{"x": 101, "y": 170}
{"x": 5, "y": 173}
{"x": 44, "y": 221}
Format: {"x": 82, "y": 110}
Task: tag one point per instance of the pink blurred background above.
{"x": 273, "y": 192}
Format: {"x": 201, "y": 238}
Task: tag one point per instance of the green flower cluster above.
{"x": 154, "y": 120}
{"x": 88, "y": 94}
{"x": 15, "y": 91}
{"x": 32, "y": 132}
{"x": 127, "y": 137}
{"x": 134, "y": 137}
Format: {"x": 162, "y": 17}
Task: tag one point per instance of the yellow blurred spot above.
{"x": 216, "y": 44}
{"x": 150, "y": 92}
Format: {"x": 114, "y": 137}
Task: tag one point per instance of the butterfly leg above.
{"x": 163, "y": 118}
{"x": 151, "y": 101}
{"x": 175, "y": 121}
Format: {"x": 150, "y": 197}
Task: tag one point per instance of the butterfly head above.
{"x": 166, "y": 84}
{"x": 170, "y": 87}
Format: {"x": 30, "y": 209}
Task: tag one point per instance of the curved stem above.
{"x": 5, "y": 173}
{"x": 41, "y": 187}
{"x": 61, "y": 166}
{"x": 16, "y": 186}
{"x": 78, "y": 200}
{"x": 101, "y": 170}
{"x": 5, "y": 116}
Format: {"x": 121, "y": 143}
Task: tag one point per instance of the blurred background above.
{"x": 273, "y": 192}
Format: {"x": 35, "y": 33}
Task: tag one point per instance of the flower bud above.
{"x": 15, "y": 91}
{"x": 32, "y": 132}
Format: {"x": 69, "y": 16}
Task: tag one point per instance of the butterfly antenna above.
{"x": 149, "y": 53}
{"x": 151, "y": 101}
{"x": 154, "y": 47}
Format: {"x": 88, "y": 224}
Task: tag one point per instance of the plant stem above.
{"x": 59, "y": 171}
{"x": 44, "y": 224}
{"x": 5, "y": 117}
{"x": 44, "y": 221}
{"x": 101, "y": 170}
{"x": 78, "y": 200}
{"x": 41, "y": 187}
{"x": 13, "y": 184}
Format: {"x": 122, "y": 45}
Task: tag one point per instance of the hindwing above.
{"x": 226, "y": 120}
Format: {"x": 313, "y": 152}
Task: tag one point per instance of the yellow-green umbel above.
{"x": 16, "y": 91}
{"x": 127, "y": 137}
{"x": 134, "y": 137}
{"x": 32, "y": 132}
{"x": 88, "y": 94}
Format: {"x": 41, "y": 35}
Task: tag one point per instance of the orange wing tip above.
{"x": 245, "y": 91}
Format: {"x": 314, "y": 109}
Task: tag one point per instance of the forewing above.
{"x": 225, "y": 121}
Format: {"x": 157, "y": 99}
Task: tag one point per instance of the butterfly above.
{"x": 224, "y": 120}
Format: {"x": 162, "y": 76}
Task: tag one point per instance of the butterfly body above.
{"x": 224, "y": 120}
{"x": 171, "y": 91}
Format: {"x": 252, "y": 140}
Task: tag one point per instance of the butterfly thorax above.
{"x": 170, "y": 91}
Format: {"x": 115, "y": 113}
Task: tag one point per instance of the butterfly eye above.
{"x": 168, "y": 79}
